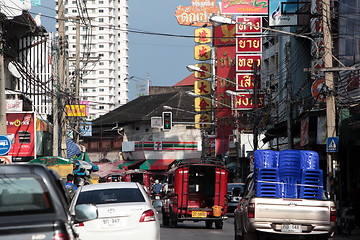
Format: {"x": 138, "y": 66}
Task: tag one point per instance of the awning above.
{"x": 156, "y": 164}
{"x": 131, "y": 164}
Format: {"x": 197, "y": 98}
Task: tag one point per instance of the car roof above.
{"x": 109, "y": 185}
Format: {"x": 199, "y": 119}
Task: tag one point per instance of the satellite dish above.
{"x": 13, "y": 70}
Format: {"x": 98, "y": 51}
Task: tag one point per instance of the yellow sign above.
{"x": 75, "y": 110}
{"x": 201, "y": 120}
{"x": 202, "y": 87}
{"x": 206, "y": 71}
{"x": 202, "y": 104}
{"x": 202, "y": 35}
{"x": 202, "y": 52}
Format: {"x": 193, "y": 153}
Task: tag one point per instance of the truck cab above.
{"x": 195, "y": 191}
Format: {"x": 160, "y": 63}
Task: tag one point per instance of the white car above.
{"x": 124, "y": 211}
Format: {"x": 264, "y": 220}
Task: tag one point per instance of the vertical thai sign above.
{"x": 226, "y": 69}
{"x": 21, "y": 131}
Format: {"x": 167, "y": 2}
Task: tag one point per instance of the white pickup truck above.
{"x": 278, "y": 218}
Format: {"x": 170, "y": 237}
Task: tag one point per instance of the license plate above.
{"x": 111, "y": 222}
{"x": 291, "y": 228}
{"x": 198, "y": 214}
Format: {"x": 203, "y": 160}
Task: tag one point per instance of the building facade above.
{"x": 103, "y": 52}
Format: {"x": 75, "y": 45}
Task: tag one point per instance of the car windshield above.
{"x": 23, "y": 195}
{"x": 236, "y": 189}
{"x": 113, "y": 195}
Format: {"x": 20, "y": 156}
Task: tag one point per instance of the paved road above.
{"x": 197, "y": 231}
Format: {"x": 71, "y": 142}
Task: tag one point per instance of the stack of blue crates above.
{"x": 288, "y": 174}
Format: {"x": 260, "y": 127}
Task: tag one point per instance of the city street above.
{"x": 197, "y": 231}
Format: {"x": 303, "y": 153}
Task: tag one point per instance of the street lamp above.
{"x": 193, "y": 68}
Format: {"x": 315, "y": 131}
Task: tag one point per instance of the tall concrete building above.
{"x": 103, "y": 52}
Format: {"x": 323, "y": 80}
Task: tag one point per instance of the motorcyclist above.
{"x": 157, "y": 187}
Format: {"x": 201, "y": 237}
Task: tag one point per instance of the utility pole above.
{"x": 77, "y": 79}
{"x": 255, "y": 128}
{"x": 329, "y": 82}
{"x": 3, "y": 129}
{"x": 61, "y": 109}
{"x": 289, "y": 115}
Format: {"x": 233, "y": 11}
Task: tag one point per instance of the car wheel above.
{"x": 208, "y": 223}
{"x": 219, "y": 224}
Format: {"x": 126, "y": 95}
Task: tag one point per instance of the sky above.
{"x": 160, "y": 59}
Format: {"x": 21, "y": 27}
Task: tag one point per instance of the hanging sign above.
{"x": 202, "y": 35}
{"x": 202, "y": 104}
{"x": 246, "y": 62}
{"x": 202, "y": 87}
{"x": 248, "y": 44}
{"x": 246, "y": 101}
{"x": 202, "y": 52}
{"x": 205, "y": 73}
{"x": 248, "y": 25}
{"x": 201, "y": 121}
{"x": 198, "y": 14}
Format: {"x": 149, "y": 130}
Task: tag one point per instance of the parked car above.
{"x": 124, "y": 212}
{"x": 33, "y": 204}
{"x": 234, "y": 195}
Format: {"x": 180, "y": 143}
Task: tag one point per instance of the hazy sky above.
{"x": 162, "y": 58}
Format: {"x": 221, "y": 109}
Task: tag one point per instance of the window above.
{"x": 101, "y": 107}
{"x": 101, "y": 72}
{"x": 105, "y": 196}
{"x": 101, "y": 19}
{"x": 101, "y": 54}
{"x": 101, "y": 37}
{"x": 101, "y": 10}
{"x": 101, "y": 98}
{"x": 101, "y": 46}
{"x": 101, "y": 81}
{"x": 85, "y": 90}
{"x": 101, "y": 90}
{"x": 74, "y": 11}
{"x": 101, "y": 63}
{"x": 101, "y": 28}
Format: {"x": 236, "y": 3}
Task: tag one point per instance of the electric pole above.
{"x": 77, "y": 79}
{"x": 3, "y": 128}
{"x": 329, "y": 82}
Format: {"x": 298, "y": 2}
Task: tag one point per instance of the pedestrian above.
{"x": 70, "y": 187}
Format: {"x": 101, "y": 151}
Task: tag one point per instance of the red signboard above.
{"x": 21, "y": 131}
{"x": 246, "y": 62}
{"x": 248, "y": 44}
{"x": 245, "y": 81}
{"x": 248, "y": 25}
{"x": 224, "y": 35}
{"x": 246, "y": 101}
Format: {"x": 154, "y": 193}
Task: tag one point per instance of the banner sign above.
{"x": 253, "y": 25}
{"x": 248, "y": 44}
{"x": 245, "y": 62}
{"x": 75, "y": 110}
{"x": 204, "y": 67}
{"x": 246, "y": 101}
{"x": 202, "y": 87}
{"x": 200, "y": 119}
{"x": 276, "y": 16}
{"x": 202, "y": 35}
{"x": 197, "y": 14}
{"x": 21, "y": 131}
{"x": 86, "y": 129}
{"x": 224, "y": 35}
{"x": 245, "y": 7}
{"x": 202, "y": 104}
{"x": 245, "y": 81}
{"x": 202, "y": 52}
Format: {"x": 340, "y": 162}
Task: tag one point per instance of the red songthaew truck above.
{"x": 195, "y": 191}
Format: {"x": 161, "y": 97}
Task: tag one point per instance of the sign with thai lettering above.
{"x": 245, "y": 81}
{"x": 202, "y": 87}
{"x": 78, "y": 110}
{"x": 253, "y": 7}
{"x": 246, "y": 62}
{"x": 202, "y": 52}
{"x": 246, "y": 101}
{"x": 197, "y": 14}
{"x": 248, "y": 25}
{"x": 248, "y": 44}
{"x": 202, "y": 35}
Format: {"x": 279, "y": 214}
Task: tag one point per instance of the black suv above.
{"x": 33, "y": 204}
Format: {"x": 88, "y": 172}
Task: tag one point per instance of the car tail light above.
{"x": 332, "y": 214}
{"x": 251, "y": 210}
{"x": 79, "y": 225}
{"x": 147, "y": 216}
{"x": 61, "y": 236}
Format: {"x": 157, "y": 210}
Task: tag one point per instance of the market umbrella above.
{"x": 51, "y": 160}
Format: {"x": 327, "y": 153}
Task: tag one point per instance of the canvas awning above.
{"x": 130, "y": 164}
{"x": 156, "y": 164}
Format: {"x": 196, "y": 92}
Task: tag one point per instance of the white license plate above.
{"x": 112, "y": 222}
{"x": 291, "y": 228}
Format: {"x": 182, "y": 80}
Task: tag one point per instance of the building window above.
{"x": 85, "y": 90}
{"x": 74, "y": 11}
{"x": 101, "y": 81}
{"x": 101, "y": 37}
{"x": 101, "y": 72}
{"x": 101, "y": 98}
{"x": 101, "y": 63}
{"x": 101, "y": 19}
{"x": 101, "y": 10}
{"x": 101, "y": 107}
{"x": 101, "y": 46}
{"x": 101, "y": 90}
{"x": 101, "y": 28}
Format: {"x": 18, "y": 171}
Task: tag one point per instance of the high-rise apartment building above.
{"x": 103, "y": 52}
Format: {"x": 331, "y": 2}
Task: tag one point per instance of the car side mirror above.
{"x": 85, "y": 212}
